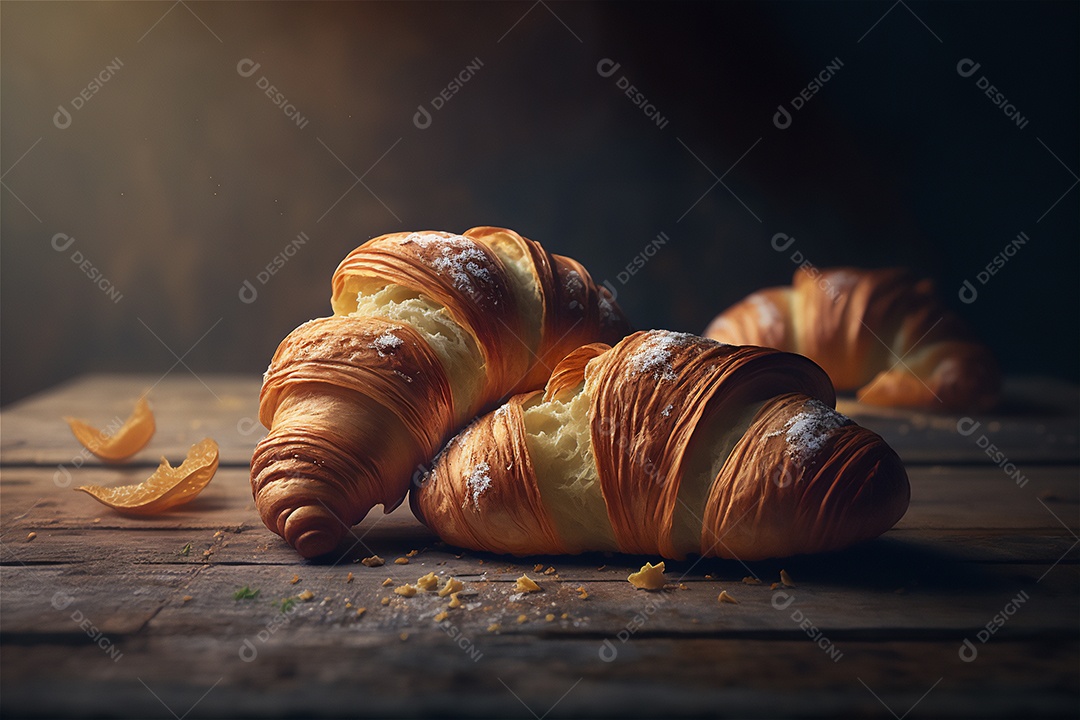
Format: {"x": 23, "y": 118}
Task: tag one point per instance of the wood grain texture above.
{"x": 102, "y": 614}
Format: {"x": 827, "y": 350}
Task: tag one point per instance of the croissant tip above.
{"x": 314, "y": 543}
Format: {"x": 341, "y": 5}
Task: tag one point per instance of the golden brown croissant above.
{"x": 429, "y": 329}
{"x": 883, "y": 333}
{"x": 667, "y": 444}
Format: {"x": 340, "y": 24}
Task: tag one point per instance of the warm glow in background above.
{"x": 179, "y": 179}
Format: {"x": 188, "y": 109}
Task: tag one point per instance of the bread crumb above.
{"x": 401, "y": 561}
{"x": 306, "y": 595}
{"x": 373, "y": 561}
{"x": 404, "y": 636}
{"x": 387, "y": 582}
{"x": 412, "y": 553}
{"x": 455, "y": 601}
{"x": 538, "y": 568}
{"x": 427, "y": 582}
{"x": 97, "y": 520}
{"x": 550, "y": 571}
{"x": 360, "y": 611}
{"x": 749, "y": 580}
{"x": 348, "y": 605}
{"x": 523, "y": 618}
{"x": 295, "y": 579}
{"x": 186, "y": 599}
{"x": 774, "y": 586}
{"x": 550, "y": 617}
{"x": 582, "y": 594}
{"x": 601, "y": 568}
{"x": 453, "y": 585}
{"x": 684, "y": 586}
{"x": 525, "y": 584}
{"x": 786, "y": 579}
{"x": 649, "y": 577}
{"x": 494, "y": 627}
{"x": 565, "y": 616}
{"x": 406, "y": 590}
{"x": 441, "y": 616}
{"x": 385, "y": 601}
{"x": 30, "y": 536}
{"x": 328, "y": 599}
{"x": 219, "y": 533}
{"x": 348, "y": 578}
{"x": 725, "y": 598}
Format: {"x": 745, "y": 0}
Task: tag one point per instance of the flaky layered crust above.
{"x": 798, "y": 478}
{"x": 356, "y": 403}
{"x": 884, "y": 333}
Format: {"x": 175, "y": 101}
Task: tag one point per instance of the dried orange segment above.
{"x": 125, "y": 442}
{"x": 167, "y": 487}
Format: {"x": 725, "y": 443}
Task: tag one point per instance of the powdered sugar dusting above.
{"x": 654, "y": 357}
{"x": 457, "y": 257}
{"x": 666, "y": 412}
{"x": 386, "y": 343}
{"x": 478, "y": 482}
{"x": 807, "y": 432}
{"x": 768, "y": 313}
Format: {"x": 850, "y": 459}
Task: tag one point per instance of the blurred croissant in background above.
{"x": 883, "y": 333}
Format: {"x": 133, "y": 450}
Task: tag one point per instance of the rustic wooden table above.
{"x": 969, "y": 607}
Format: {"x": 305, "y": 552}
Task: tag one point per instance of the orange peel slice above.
{"x": 125, "y": 442}
{"x": 167, "y": 487}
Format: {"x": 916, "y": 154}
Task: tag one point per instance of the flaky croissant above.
{"x": 429, "y": 329}
{"x": 667, "y": 444}
{"x": 884, "y": 333}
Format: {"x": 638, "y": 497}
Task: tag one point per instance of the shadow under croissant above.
{"x": 887, "y": 563}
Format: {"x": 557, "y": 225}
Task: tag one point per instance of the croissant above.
{"x": 884, "y": 333}
{"x": 667, "y": 444}
{"x": 429, "y": 329}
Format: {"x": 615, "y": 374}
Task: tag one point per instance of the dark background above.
{"x": 179, "y": 179}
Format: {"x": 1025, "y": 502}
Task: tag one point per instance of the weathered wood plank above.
{"x": 1038, "y": 422}
{"x": 186, "y": 409}
{"x": 941, "y": 497}
{"x": 431, "y": 674}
